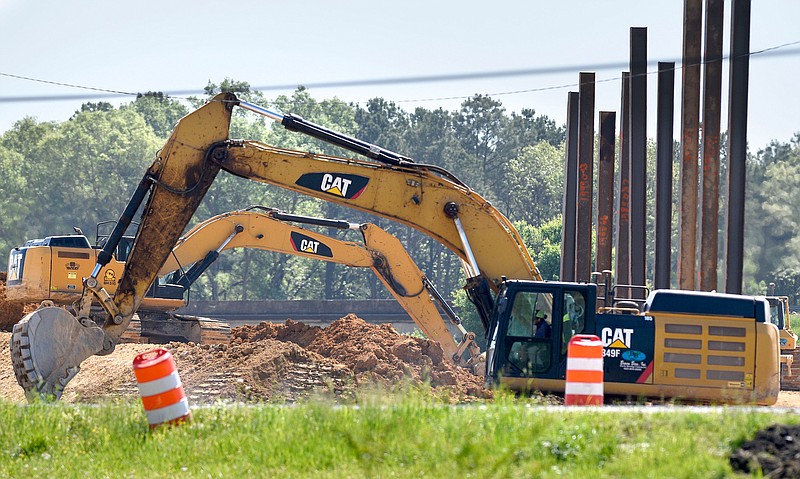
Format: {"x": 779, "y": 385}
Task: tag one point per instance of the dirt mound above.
{"x": 267, "y": 362}
{"x": 275, "y": 362}
{"x": 293, "y": 331}
{"x": 10, "y": 313}
{"x": 373, "y": 353}
{"x": 774, "y": 451}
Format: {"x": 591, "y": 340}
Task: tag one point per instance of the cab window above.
{"x": 574, "y": 317}
{"x": 528, "y": 343}
{"x": 524, "y": 311}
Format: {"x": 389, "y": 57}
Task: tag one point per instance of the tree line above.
{"x": 76, "y": 173}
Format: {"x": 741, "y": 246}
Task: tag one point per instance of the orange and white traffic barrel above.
{"x": 160, "y": 388}
{"x": 584, "y": 371}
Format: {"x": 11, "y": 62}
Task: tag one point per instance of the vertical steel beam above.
{"x": 638, "y": 155}
{"x": 737, "y": 142}
{"x": 605, "y": 190}
{"x": 583, "y": 263}
{"x": 568, "y": 204}
{"x": 623, "y": 249}
{"x": 665, "y": 116}
{"x": 690, "y": 119}
{"x": 712, "y": 99}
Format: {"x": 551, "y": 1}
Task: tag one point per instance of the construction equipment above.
{"x": 732, "y": 357}
{"x": 50, "y": 271}
{"x": 40, "y": 276}
{"x": 694, "y": 346}
{"x": 779, "y": 316}
{"x": 268, "y": 229}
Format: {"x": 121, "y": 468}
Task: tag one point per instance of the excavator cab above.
{"x": 779, "y": 316}
{"x": 533, "y": 323}
{"x": 162, "y": 288}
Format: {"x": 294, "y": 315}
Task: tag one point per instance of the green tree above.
{"x": 92, "y": 107}
{"x": 74, "y": 173}
{"x": 479, "y": 126}
{"x": 96, "y": 158}
{"x": 26, "y": 134}
{"x": 544, "y": 245}
{"x": 160, "y": 112}
{"x": 534, "y": 183}
{"x": 15, "y": 203}
{"x": 526, "y": 128}
{"x": 772, "y": 218}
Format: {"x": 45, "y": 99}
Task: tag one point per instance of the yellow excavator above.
{"x": 779, "y": 316}
{"x": 50, "y": 271}
{"x": 676, "y": 344}
{"x": 269, "y": 229}
{"x": 47, "y": 270}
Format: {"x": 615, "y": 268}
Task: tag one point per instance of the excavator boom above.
{"x": 381, "y": 252}
{"x": 411, "y": 195}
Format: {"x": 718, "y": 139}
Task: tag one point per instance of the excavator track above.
{"x": 160, "y": 328}
{"x": 134, "y": 332}
{"x": 214, "y": 331}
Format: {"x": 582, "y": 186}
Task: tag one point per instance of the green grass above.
{"x": 383, "y": 436}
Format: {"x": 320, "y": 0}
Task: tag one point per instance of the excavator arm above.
{"x": 48, "y": 346}
{"x": 269, "y": 230}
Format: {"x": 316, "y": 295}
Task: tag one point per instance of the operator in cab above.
{"x": 543, "y": 328}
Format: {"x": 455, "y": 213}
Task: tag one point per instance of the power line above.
{"x": 103, "y": 93}
{"x": 770, "y": 51}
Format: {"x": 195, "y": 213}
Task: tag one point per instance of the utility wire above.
{"x": 778, "y": 50}
{"x": 766, "y": 52}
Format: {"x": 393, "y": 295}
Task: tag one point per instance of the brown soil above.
{"x": 774, "y": 452}
{"x": 270, "y": 363}
{"x": 10, "y": 312}
{"x": 267, "y": 362}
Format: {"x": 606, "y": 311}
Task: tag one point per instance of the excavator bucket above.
{"x": 47, "y": 348}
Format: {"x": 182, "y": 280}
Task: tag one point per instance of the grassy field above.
{"x": 381, "y": 435}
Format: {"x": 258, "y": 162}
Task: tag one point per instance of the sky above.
{"x": 181, "y": 45}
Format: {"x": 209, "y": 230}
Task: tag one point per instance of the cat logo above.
{"x": 336, "y": 184}
{"x": 109, "y": 277}
{"x": 309, "y": 246}
{"x": 306, "y": 244}
{"x": 616, "y": 338}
